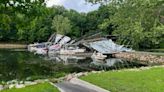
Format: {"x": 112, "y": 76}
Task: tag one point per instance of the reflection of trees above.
{"x": 20, "y": 65}
{"x": 8, "y": 65}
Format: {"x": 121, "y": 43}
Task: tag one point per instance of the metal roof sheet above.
{"x": 106, "y": 46}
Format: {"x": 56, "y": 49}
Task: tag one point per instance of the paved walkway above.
{"x": 153, "y": 53}
{"x": 12, "y": 46}
{"x": 70, "y": 87}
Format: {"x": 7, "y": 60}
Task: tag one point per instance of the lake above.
{"x": 22, "y": 65}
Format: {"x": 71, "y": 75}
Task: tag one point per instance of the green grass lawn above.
{"x": 155, "y": 50}
{"x": 44, "y": 87}
{"x": 151, "y": 80}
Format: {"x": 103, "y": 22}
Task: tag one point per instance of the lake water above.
{"x": 22, "y": 65}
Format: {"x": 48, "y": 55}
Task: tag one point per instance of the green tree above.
{"x": 61, "y": 25}
{"x": 17, "y": 18}
{"x": 138, "y": 23}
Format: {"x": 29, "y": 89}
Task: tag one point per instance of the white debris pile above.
{"x": 54, "y": 43}
{"x": 108, "y": 47}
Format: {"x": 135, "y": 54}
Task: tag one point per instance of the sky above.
{"x": 78, "y": 5}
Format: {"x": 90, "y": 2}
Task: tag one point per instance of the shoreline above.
{"x": 13, "y": 46}
{"x": 144, "y": 57}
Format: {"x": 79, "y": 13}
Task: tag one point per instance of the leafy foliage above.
{"x": 61, "y": 24}
{"x": 138, "y": 23}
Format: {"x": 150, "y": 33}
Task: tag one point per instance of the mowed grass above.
{"x": 151, "y": 80}
{"x": 44, "y": 87}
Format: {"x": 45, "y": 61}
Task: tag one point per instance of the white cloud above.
{"x": 78, "y": 5}
{"x": 54, "y": 2}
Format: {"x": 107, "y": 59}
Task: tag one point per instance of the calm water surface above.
{"x": 22, "y": 65}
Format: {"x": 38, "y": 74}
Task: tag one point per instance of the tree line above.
{"x": 31, "y": 21}
{"x": 137, "y": 23}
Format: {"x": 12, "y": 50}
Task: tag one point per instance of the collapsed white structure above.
{"x": 108, "y": 47}
{"x": 62, "y": 44}
{"x": 55, "y": 42}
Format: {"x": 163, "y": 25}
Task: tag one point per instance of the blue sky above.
{"x": 78, "y": 5}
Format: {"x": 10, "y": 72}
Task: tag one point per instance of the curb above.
{"x": 87, "y": 85}
{"x": 61, "y": 90}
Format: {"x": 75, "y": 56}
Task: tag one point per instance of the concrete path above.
{"x": 78, "y": 85}
{"x": 12, "y": 46}
{"x": 70, "y": 87}
{"x": 153, "y": 53}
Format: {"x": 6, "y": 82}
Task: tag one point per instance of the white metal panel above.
{"x": 107, "y": 47}
{"x": 58, "y": 37}
{"x": 65, "y": 40}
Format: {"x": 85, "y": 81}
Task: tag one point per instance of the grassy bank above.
{"x": 150, "y": 80}
{"x": 151, "y": 53}
{"x": 155, "y": 50}
{"x": 44, "y": 87}
{"x": 13, "y": 46}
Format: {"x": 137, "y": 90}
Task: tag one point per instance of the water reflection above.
{"x": 94, "y": 64}
{"x": 24, "y": 65}
{"x": 114, "y": 64}
{"x": 65, "y": 59}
